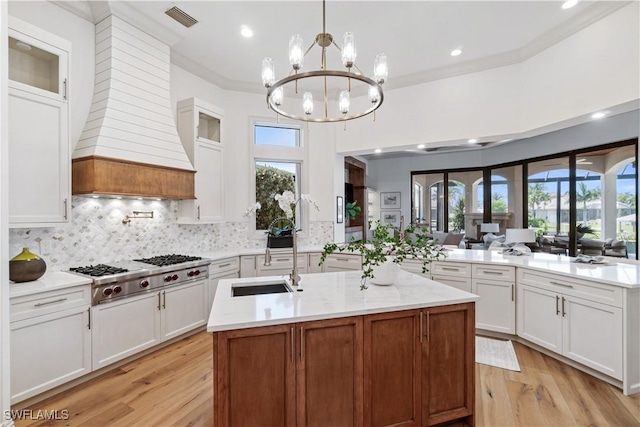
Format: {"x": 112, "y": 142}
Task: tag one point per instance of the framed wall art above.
{"x": 339, "y": 210}
{"x": 390, "y": 200}
{"x": 391, "y": 217}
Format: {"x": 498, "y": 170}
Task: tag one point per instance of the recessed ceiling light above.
{"x": 378, "y": 150}
{"x": 456, "y": 52}
{"x": 421, "y": 146}
{"x": 246, "y": 31}
{"x": 598, "y": 115}
{"x": 569, "y": 4}
{"x": 472, "y": 141}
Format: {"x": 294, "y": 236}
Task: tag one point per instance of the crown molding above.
{"x": 78, "y": 8}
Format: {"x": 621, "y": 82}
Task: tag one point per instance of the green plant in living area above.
{"x": 412, "y": 243}
{"x": 353, "y": 209}
{"x": 582, "y": 229}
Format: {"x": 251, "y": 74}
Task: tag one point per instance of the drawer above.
{"x": 493, "y": 272}
{"x": 280, "y": 261}
{"x": 224, "y": 266}
{"x": 34, "y": 305}
{"x": 592, "y": 291}
{"x": 340, "y": 262}
{"x": 445, "y": 268}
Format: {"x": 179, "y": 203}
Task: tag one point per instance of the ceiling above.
{"x": 416, "y": 36}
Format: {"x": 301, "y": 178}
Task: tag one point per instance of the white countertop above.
{"x": 326, "y": 296}
{"x": 48, "y": 282}
{"x": 624, "y": 273}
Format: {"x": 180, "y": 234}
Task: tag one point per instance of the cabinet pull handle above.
{"x": 342, "y": 259}
{"x": 426, "y": 332}
{"x": 450, "y": 268}
{"x": 164, "y": 299}
{"x": 65, "y": 208}
{"x": 64, "y": 90}
{"x": 561, "y": 284}
{"x": 492, "y": 272}
{"x": 557, "y": 309}
{"x": 159, "y": 301}
{"x": 89, "y": 324}
{"x": 283, "y": 259}
{"x": 513, "y": 292}
{"x": 40, "y": 304}
{"x": 224, "y": 265}
{"x": 301, "y": 343}
{"x": 563, "y": 312}
{"x": 421, "y": 327}
{"x": 293, "y": 345}
{"x": 198, "y": 211}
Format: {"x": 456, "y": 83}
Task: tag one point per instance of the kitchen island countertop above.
{"x": 325, "y": 296}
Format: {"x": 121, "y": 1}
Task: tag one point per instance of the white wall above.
{"x": 591, "y": 70}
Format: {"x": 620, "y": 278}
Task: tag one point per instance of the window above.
{"x": 279, "y": 157}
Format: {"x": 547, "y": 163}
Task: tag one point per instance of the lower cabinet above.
{"x": 409, "y": 368}
{"x": 496, "y": 308}
{"x": 586, "y": 331}
{"x": 49, "y": 350}
{"x": 128, "y": 326}
{"x": 342, "y": 262}
{"x": 279, "y": 264}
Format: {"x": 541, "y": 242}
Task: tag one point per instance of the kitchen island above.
{"x": 331, "y": 354}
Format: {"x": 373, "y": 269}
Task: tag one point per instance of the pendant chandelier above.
{"x": 341, "y": 111}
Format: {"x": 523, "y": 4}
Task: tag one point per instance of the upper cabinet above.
{"x": 201, "y": 132}
{"x": 39, "y": 144}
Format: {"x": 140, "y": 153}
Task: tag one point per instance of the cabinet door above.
{"x": 280, "y": 264}
{"x": 49, "y": 350}
{"x": 125, "y": 327}
{"x": 314, "y": 263}
{"x": 496, "y": 308}
{"x": 592, "y": 335}
{"x": 213, "y": 286}
{"x": 40, "y": 164}
{"x": 209, "y": 182}
{"x": 539, "y": 318}
{"x": 392, "y": 369}
{"x": 247, "y": 266}
{"x": 184, "y": 308}
{"x": 458, "y": 282}
{"x": 448, "y": 364}
{"x": 254, "y": 377}
{"x": 329, "y": 374}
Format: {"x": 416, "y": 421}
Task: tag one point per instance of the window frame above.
{"x": 280, "y": 154}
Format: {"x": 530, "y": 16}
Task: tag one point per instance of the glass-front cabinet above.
{"x": 39, "y": 185}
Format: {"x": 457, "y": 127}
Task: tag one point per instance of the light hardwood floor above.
{"x": 173, "y": 387}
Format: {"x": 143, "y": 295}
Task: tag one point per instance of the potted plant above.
{"x": 353, "y": 209}
{"x": 582, "y": 229}
{"x": 387, "y": 249}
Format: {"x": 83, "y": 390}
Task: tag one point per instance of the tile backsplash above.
{"x": 97, "y": 234}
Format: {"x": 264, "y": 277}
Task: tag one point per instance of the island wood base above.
{"x": 410, "y": 368}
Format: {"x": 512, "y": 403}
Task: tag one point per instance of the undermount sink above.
{"x": 259, "y": 288}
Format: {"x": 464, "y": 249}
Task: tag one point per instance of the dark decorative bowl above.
{"x": 26, "y": 267}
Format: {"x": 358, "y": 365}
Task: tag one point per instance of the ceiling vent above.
{"x": 181, "y": 16}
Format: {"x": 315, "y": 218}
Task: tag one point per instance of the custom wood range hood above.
{"x": 130, "y": 146}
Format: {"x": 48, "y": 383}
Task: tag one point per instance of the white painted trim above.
{"x": 5, "y": 350}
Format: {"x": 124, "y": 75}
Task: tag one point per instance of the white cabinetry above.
{"x": 227, "y": 268}
{"x": 200, "y": 130}
{"x": 130, "y": 325}
{"x": 314, "y": 263}
{"x": 456, "y": 274}
{"x": 342, "y": 262}
{"x": 580, "y": 320}
{"x": 39, "y": 143}
{"x": 279, "y": 264}
{"x": 496, "y": 308}
{"x": 50, "y": 340}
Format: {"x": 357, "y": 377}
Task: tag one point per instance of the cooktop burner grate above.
{"x": 163, "y": 260}
{"x": 98, "y": 270}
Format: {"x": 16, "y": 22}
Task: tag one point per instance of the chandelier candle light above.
{"x": 275, "y": 92}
